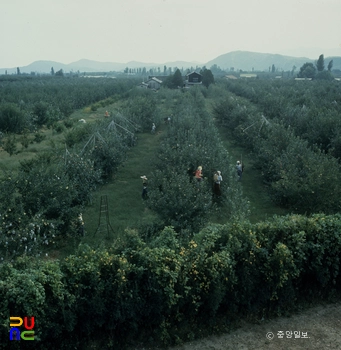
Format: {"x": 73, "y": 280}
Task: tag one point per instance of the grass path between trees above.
{"x": 254, "y": 189}
{"x": 124, "y": 192}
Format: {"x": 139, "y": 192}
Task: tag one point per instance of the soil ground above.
{"x": 321, "y": 324}
{"x": 319, "y": 328}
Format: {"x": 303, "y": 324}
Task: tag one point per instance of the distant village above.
{"x": 155, "y": 82}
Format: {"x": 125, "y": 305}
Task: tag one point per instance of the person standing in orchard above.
{"x": 198, "y": 173}
{"x": 217, "y": 178}
{"x": 239, "y": 168}
{"x": 144, "y": 187}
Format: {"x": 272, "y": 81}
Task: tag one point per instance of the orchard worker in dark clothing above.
{"x": 217, "y": 179}
{"x": 239, "y": 168}
{"x": 144, "y": 187}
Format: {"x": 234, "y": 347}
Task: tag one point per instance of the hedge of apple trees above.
{"x": 141, "y": 107}
{"x": 41, "y": 202}
{"x": 300, "y": 175}
{"x": 168, "y": 290}
{"x": 28, "y": 102}
{"x": 311, "y": 108}
{"x": 191, "y": 140}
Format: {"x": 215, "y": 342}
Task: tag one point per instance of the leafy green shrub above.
{"x": 179, "y": 202}
{"x": 9, "y": 145}
{"x": 39, "y": 137}
{"x": 12, "y": 119}
{"x": 83, "y": 176}
{"x": 137, "y": 291}
{"x": 142, "y": 110}
{"x": 191, "y": 140}
{"x": 107, "y": 154}
{"x": 94, "y": 107}
{"x": 24, "y": 140}
{"x": 308, "y": 180}
{"x": 34, "y": 288}
{"x": 41, "y": 203}
{"x": 69, "y": 123}
{"x": 78, "y": 134}
{"x": 59, "y": 128}
{"x": 40, "y": 112}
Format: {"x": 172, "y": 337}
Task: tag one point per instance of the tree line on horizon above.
{"x": 308, "y": 70}
{"x": 317, "y": 71}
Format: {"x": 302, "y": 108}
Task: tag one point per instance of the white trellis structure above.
{"x": 128, "y": 122}
{"x": 263, "y": 121}
{"x": 96, "y": 136}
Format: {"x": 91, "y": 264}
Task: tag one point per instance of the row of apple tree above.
{"x": 41, "y": 201}
{"x": 28, "y": 102}
{"x": 169, "y": 291}
{"x": 191, "y": 140}
{"x": 311, "y": 108}
{"x": 300, "y": 176}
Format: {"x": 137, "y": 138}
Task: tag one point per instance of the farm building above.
{"x": 303, "y": 78}
{"x": 230, "y": 77}
{"x": 152, "y": 83}
{"x": 193, "y": 78}
{"x": 144, "y": 85}
{"x": 248, "y": 76}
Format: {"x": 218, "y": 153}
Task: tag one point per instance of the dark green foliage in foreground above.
{"x": 138, "y": 291}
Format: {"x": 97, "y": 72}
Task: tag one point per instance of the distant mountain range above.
{"x": 244, "y": 60}
{"x": 92, "y": 66}
{"x": 249, "y": 61}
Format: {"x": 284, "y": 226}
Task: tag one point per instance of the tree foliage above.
{"x": 12, "y": 119}
{"x": 177, "y": 79}
{"x": 192, "y": 140}
{"x": 207, "y": 77}
{"x": 284, "y": 142}
{"x": 137, "y": 290}
{"x": 308, "y": 70}
{"x": 32, "y": 101}
{"x": 320, "y": 63}
{"x": 330, "y": 65}
{"x": 173, "y": 81}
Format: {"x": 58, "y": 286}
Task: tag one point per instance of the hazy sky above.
{"x": 164, "y": 30}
